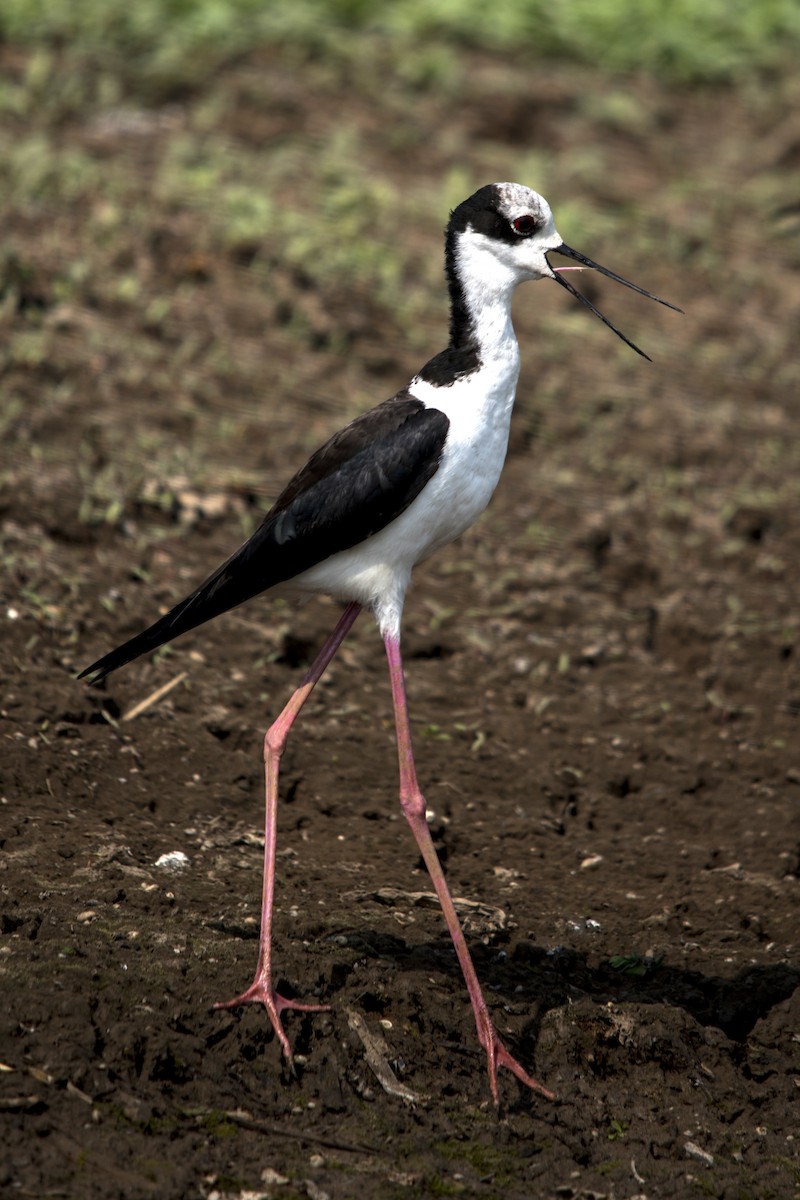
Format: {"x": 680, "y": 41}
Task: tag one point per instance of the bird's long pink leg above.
{"x": 261, "y": 989}
{"x": 413, "y": 805}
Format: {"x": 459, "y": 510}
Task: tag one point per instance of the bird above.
{"x": 388, "y": 490}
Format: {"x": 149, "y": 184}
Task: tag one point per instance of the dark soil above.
{"x": 604, "y": 681}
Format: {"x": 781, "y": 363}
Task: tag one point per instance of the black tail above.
{"x": 230, "y": 585}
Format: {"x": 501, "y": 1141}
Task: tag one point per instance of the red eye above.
{"x": 524, "y": 225}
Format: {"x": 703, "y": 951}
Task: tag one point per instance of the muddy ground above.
{"x": 603, "y": 676}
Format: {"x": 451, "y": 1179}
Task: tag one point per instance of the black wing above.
{"x": 352, "y": 487}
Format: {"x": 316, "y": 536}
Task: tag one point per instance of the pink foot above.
{"x": 498, "y": 1056}
{"x": 262, "y": 992}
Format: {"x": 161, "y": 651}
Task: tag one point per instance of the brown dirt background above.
{"x": 603, "y": 676}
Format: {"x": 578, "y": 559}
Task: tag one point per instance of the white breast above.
{"x": 376, "y": 573}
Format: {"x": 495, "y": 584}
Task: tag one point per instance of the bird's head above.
{"x": 502, "y": 236}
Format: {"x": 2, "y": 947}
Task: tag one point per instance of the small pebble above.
{"x": 695, "y": 1151}
{"x": 591, "y": 862}
{"x": 175, "y": 861}
{"x": 272, "y": 1177}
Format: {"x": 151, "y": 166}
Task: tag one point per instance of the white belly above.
{"x": 376, "y": 573}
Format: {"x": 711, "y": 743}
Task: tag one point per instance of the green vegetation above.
{"x": 171, "y": 44}
{"x": 634, "y": 965}
{"x": 617, "y": 1130}
{"x": 215, "y": 208}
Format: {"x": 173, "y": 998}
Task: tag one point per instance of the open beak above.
{"x": 568, "y": 252}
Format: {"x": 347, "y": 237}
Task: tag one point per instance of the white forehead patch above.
{"x": 515, "y": 199}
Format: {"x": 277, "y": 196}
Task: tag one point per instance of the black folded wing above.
{"x": 352, "y": 487}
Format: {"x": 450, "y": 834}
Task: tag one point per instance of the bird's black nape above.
{"x": 568, "y": 252}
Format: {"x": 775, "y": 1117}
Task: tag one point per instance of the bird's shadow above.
{"x": 532, "y": 980}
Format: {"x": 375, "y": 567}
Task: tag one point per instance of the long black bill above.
{"x": 568, "y": 252}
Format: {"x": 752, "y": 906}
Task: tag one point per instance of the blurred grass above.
{"x": 223, "y": 237}
{"x": 165, "y": 45}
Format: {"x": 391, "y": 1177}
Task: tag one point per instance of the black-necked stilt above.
{"x": 383, "y": 494}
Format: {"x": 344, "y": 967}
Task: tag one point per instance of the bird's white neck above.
{"x": 481, "y": 290}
